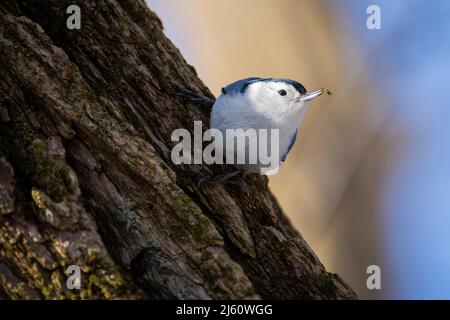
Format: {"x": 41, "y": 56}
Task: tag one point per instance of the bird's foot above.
{"x": 224, "y": 179}
{"x": 194, "y": 98}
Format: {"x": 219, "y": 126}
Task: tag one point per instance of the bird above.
{"x": 264, "y": 103}
{"x": 261, "y": 103}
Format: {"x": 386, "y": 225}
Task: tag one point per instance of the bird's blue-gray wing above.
{"x": 291, "y": 144}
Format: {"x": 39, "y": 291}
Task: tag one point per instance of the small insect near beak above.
{"x": 314, "y": 94}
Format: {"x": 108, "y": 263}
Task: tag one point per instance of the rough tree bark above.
{"x": 86, "y": 178}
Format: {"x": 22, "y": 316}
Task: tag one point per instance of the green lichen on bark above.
{"x": 43, "y": 268}
{"x": 51, "y": 175}
{"x": 42, "y": 254}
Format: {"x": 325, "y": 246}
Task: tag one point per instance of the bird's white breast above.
{"x": 242, "y": 112}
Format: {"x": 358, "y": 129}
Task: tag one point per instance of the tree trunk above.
{"x": 86, "y": 177}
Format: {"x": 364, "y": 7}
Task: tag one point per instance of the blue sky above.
{"x": 411, "y": 65}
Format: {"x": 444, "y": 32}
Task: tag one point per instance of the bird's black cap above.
{"x": 241, "y": 85}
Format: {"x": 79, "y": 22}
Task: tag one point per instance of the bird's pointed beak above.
{"x": 314, "y": 94}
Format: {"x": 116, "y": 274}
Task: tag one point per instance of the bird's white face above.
{"x": 257, "y": 102}
{"x": 275, "y": 96}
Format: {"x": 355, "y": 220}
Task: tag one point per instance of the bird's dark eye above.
{"x": 282, "y": 92}
{"x": 224, "y": 91}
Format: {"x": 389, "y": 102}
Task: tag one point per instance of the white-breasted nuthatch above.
{"x": 258, "y": 103}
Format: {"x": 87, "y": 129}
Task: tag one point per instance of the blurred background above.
{"x": 368, "y": 181}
